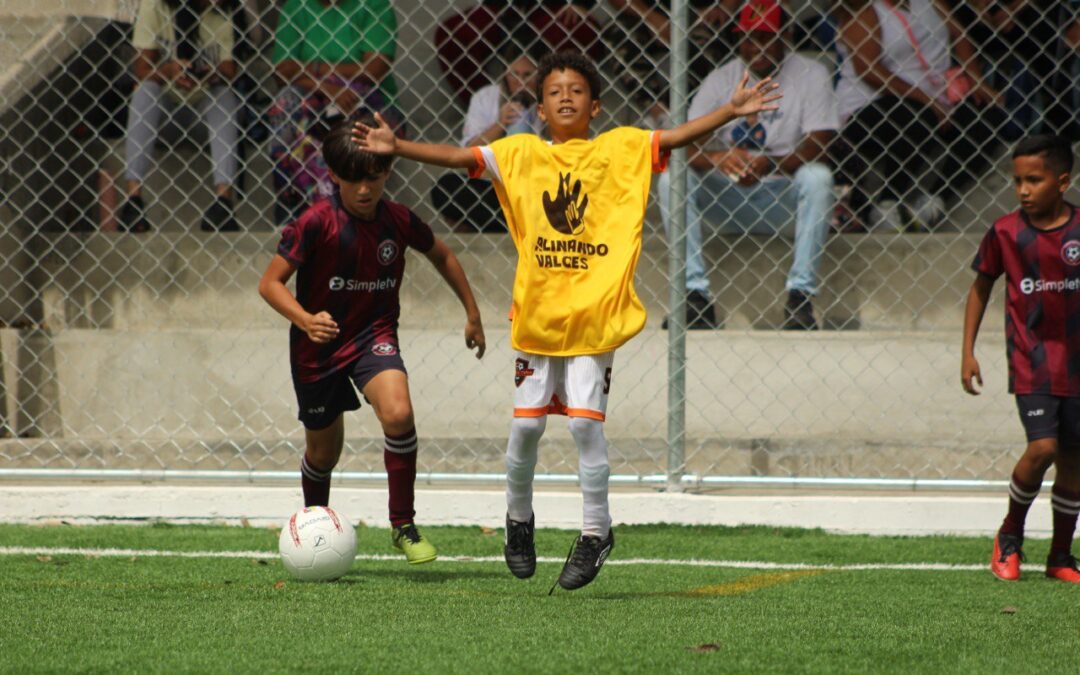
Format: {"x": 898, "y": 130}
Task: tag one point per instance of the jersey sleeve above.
{"x": 988, "y": 259}
{"x": 418, "y": 234}
{"x": 659, "y": 158}
{"x": 299, "y": 238}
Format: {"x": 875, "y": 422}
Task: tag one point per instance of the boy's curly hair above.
{"x": 575, "y": 61}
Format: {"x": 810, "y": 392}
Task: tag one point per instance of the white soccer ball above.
{"x": 317, "y": 544}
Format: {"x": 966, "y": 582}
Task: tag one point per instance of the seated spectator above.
{"x": 184, "y": 58}
{"x": 923, "y": 130}
{"x": 762, "y": 174}
{"x": 467, "y": 42}
{"x": 333, "y": 58}
{"x": 495, "y": 111}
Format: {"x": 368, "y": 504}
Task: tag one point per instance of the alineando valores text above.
{"x": 566, "y": 253}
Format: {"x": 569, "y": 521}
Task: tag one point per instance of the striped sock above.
{"x": 399, "y": 457}
{"x": 1066, "y": 506}
{"x": 315, "y": 483}
{"x": 1021, "y": 497}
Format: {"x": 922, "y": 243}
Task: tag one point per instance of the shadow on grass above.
{"x": 423, "y": 576}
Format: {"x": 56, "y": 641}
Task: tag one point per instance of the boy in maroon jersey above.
{"x": 349, "y": 256}
{"x": 1038, "y": 250}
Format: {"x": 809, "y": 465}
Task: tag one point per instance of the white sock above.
{"x": 521, "y": 452}
{"x": 593, "y": 473}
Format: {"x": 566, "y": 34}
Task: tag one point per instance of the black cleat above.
{"x": 586, "y": 557}
{"x": 219, "y": 217}
{"x": 519, "y": 549}
{"x": 799, "y": 312}
{"x": 700, "y": 314}
{"x": 133, "y": 215}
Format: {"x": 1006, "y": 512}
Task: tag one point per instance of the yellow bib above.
{"x": 575, "y": 212}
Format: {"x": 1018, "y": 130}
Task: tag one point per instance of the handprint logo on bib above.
{"x": 564, "y": 212}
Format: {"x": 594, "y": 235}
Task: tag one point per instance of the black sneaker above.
{"x": 586, "y": 557}
{"x": 700, "y": 314}
{"x": 133, "y": 215}
{"x": 219, "y": 217}
{"x": 519, "y": 549}
{"x": 799, "y": 312}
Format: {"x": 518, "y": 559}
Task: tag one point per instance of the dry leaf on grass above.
{"x": 705, "y": 648}
{"x": 1008, "y": 610}
{"x": 279, "y": 585}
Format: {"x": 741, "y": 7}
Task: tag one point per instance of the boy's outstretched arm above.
{"x": 382, "y": 141}
{"x": 977, "y": 299}
{"x": 447, "y": 263}
{"x": 745, "y": 101}
{"x": 320, "y": 327}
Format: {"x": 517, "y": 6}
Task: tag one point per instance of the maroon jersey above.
{"x": 352, "y": 269}
{"x": 1042, "y": 308}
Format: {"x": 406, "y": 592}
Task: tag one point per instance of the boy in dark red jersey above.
{"x": 1038, "y": 250}
{"x": 349, "y": 255}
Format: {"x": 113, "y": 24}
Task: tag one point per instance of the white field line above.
{"x": 269, "y": 555}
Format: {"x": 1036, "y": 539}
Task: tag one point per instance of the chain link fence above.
{"x": 133, "y": 342}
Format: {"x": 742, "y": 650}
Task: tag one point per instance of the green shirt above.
{"x": 310, "y": 32}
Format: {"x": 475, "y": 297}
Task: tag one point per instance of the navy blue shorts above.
{"x": 322, "y": 401}
{"x": 1046, "y": 416}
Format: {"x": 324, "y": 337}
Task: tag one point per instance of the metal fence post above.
{"x": 676, "y": 422}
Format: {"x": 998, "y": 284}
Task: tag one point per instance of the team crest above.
{"x": 384, "y": 349}
{"x": 1070, "y": 252}
{"x": 387, "y": 252}
{"x": 521, "y": 371}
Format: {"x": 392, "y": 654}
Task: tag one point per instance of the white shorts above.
{"x": 576, "y": 386}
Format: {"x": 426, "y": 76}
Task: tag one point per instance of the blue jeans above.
{"x": 798, "y": 208}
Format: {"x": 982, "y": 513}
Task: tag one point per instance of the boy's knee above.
{"x": 530, "y": 428}
{"x": 1042, "y": 451}
{"x": 396, "y": 416}
{"x": 814, "y": 177}
{"x": 586, "y": 430}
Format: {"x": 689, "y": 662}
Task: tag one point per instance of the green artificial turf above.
{"x": 109, "y": 614}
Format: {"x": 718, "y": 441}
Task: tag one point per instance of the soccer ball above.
{"x": 317, "y": 544}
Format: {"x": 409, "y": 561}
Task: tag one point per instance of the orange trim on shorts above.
{"x": 659, "y": 159}
{"x": 477, "y": 170}
{"x": 530, "y": 412}
{"x": 584, "y": 412}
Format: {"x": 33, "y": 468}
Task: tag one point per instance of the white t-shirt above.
{"x": 155, "y": 30}
{"x": 899, "y": 56}
{"x": 809, "y": 104}
{"x": 484, "y": 112}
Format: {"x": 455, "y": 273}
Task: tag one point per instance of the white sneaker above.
{"x": 885, "y": 216}
{"x": 927, "y": 212}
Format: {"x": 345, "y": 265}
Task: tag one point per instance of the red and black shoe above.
{"x": 1062, "y": 566}
{"x": 1008, "y": 554}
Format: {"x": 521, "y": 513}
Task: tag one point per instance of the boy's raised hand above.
{"x": 380, "y": 140}
{"x": 755, "y": 99}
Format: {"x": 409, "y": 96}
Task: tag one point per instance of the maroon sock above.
{"x": 1066, "y": 505}
{"x": 400, "y": 460}
{"x": 1021, "y": 495}
{"x": 315, "y": 483}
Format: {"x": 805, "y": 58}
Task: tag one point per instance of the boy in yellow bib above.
{"x": 574, "y": 208}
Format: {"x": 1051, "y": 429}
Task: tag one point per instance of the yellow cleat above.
{"x": 417, "y": 549}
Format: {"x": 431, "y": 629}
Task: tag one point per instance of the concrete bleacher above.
{"x": 124, "y": 350}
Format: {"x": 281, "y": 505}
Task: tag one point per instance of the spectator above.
{"x": 333, "y": 58}
{"x": 184, "y": 58}
{"x": 495, "y": 111}
{"x": 467, "y": 41}
{"x": 763, "y": 175}
{"x": 904, "y": 107}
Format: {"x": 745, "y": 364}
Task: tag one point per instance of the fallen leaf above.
{"x": 705, "y": 648}
{"x": 259, "y": 562}
{"x": 1008, "y": 610}
{"x": 279, "y": 585}
{"x": 244, "y": 522}
{"x": 488, "y": 531}
{"x": 44, "y": 558}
